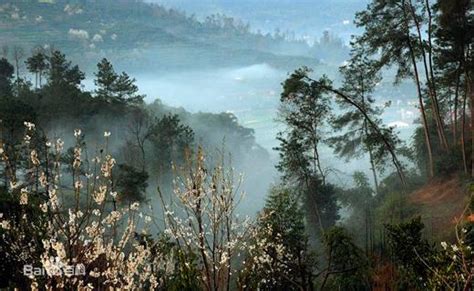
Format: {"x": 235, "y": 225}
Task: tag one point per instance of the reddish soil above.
{"x": 442, "y": 204}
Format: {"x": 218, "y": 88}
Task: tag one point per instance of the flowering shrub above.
{"x": 453, "y": 267}
{"x": 69, "y": 218}
{"x": 201, "y": 218}
{"x": 422, "y": 266}
{"x": 278, "y": 256}
{"x": 65, "y": 228}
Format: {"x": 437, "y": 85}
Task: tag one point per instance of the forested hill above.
{"x": 144, "y": 35}
{"x": 148, "y": 140}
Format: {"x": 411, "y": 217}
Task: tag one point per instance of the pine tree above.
{"x": 305, "y": 110}
{"x": 360, "y": 78}
{"x": 62, "y": 74}
{"x": 6, "y": 76}
{"x": 105, "y": 79}
{"x": 389, "y": 36}
{"x": 115, "y": 88}
{"x": 126, "y": 91}
{"x": 360, "y": 200}
{"x": 37, "y": 64}
{"x": 347, "y": 267}
{"x": 454, "y": 59}
{"x": 170, "y": 139}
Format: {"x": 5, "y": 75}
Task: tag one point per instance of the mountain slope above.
{"x": 144, "y": 34}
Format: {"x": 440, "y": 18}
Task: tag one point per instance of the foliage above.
{"x": 305, "y": 110}
{"x": 53, "y": 226}
{"x": 411, "y": 252}
{"x": 444, "y": 163}
{"x": 74, "y": 195}
{"x": 60, "y": 104}
{"x": 279, "y": 257}
{"x": 360, "y": 203}
{"x": 360, "y": 78}
{"x": 21, "y": 241}
{"x": 62, "y": 73}
{"x": 116, "y": 88}
{"x": 170, "y": 139}
{"x": 423, "y": 266}
{"x": 131, "y": 183}
{"x": 37, "y": 64}
{"x": 6, "y": 75}
{"x": 61, "y": 208}
{"x": 347, "y": 266}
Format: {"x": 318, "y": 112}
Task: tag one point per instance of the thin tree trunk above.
{"x": 423, "y": 112}
{"x": 432, "y": 75}
{"x": 426, "y": 131}
{"x": 372, "y": 162}
{"x": 17, "y": 67}
{"x": 386, "y": 142}
{"x": 141, "y": 145}
{"x": 369, "y": 148}
{"x": 374, "y": 172}
{"x": 202, "y": 246}
{"x": 463, "y": 133}
{"x": 302, "y": 272}
{"x": 314, "y": 204}
{"x": 308, "y": 185}
{"x": 228, "y": 232}
{"x": 201, "y": 231}
{"x": 420, "y": 99}
{"x": 318, "y": 164}
{"x": 431, "y": 87}
{"x": 366, "y": 231}
{"x": 326, "y": 275}
{"x": 456, "y": 100}
{"x": 470, "y": 93}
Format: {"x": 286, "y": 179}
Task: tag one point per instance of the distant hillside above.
{"x": 143, "y": 35}
{"x": 303, "y": 17}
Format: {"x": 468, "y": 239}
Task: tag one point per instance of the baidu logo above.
{"x": 55, "y": 269}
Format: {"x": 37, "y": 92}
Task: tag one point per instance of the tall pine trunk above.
{"x": 470, "y": 93}
{"x": 423, "y": 113}
{"x": 430, "y": 80}
{"x": 424, "y": 121}
{"x": 456, "y": 101}
{"x": 371, "y": 160}
{"x": 463, "y": 133}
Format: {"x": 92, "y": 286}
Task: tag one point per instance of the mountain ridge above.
{"x": 86, "y": 30}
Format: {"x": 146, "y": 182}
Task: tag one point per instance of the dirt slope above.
{"x": 441, "y": 203}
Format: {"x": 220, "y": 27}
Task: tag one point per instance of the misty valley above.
{"x": 236, "y": 145}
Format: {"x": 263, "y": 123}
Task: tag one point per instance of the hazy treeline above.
{"x": 145, "y": 138}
